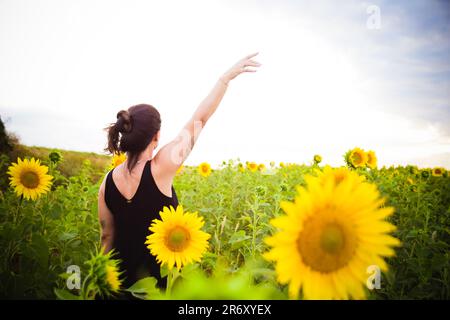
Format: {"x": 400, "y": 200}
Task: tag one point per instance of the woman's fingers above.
{"x": 251, "y": 55}
{"x": 246, "y": 64}
{"x": 247, "y": 69}
{"x": 252, "y": 63}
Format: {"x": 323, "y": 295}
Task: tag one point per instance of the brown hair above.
{"x": 133, "y": 131}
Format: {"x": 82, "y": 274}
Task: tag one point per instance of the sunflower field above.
{"x": 244, "y": 230}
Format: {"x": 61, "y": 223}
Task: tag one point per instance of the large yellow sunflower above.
{"x": 29, "y": 178}
{"x": 371, "y": 159}
{"x": 204, "y": 169}
{"x": 337, "y": 174}
{"x": 357, "y": 158}
{"x": 332, "y": 232}
{"x": 176, "y": 239}
{"x": 118, "y": 159}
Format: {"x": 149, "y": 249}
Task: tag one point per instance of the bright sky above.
{"x": 332, "y": 77}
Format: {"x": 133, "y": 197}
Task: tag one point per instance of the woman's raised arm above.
{"x": 172, "y": 155}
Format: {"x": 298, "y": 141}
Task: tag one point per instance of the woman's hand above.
{"x": 240, "y": 67}
{"x": 172, "y": 155}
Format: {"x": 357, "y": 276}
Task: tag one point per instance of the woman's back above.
{"x": 132, "y": 218}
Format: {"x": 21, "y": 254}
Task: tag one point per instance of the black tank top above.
{"x": 132, "y": 219}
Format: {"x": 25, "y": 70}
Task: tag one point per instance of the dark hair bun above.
{"x": 133, "y": 131}
{"x": 124, "y": 124}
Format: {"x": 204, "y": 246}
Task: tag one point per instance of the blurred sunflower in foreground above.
{"x": 176, "y": 239}
{"x": 103, "y": 275}
{"x": 29, "y": 178}
{"x": 222, "y": 285}
{"x": 327, "y": 239}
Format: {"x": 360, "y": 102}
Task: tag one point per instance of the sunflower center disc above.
{"x": 325, "y": 246}
{"x": 356, "y": 158}
{"x": 339, "y": 176}
{"x": 178, "y": 239}
{"x": 332, "y": 239}
{"x": 29, "y": 179}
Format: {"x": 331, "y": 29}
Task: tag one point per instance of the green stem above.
{"x": 171, "y": 277}
{"x": 84, "y": 290}
{"x": 19, "y": 206}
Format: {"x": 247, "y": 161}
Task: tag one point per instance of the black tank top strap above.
{"x": 150, "y": 180}
{"x": 109, "y": 185}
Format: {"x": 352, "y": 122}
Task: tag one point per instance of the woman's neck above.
{"x": 145, "y": 155}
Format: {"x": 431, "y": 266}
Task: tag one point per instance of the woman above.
{"x": 133, "y": 193}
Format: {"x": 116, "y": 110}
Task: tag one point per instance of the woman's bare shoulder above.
{"x": 101, "y": 189}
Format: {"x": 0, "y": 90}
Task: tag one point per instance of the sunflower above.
{"x": 204, "y": 169}
{"x": 103, "y": 274}
{"x": 425, "y": 173}
{"x": 337, "y": 174}
{"x": 327, "y": 240}
{"x": 241, "y": 167}
{"x": 176, "y": 239}
{"x": 252, "y": 166}
{"x": 118, "y": 159}
{"x": 282, "y": 165}
{"x": 29, "y": 178}
{"x": 438, "y": 172}
{"x": 356, "y": 158}
{"x": 371, "y": 159}
{"x": 180, "y": 169}
{"x": 55, "y": 156}
{"x": 112, "y": 277}
{"x": 413, "y": 169}
{"x": 261, "y": 167}
{"x": 317, "y": 159}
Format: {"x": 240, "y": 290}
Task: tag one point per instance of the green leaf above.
{"x": 62, "y": 294}
{"x": 67, "y": 236}
{"x": 237, "y": 239}
{"x": 145, "y": 289}
{"x": 188, "y": 269}
{"x": 38, "y": 250}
